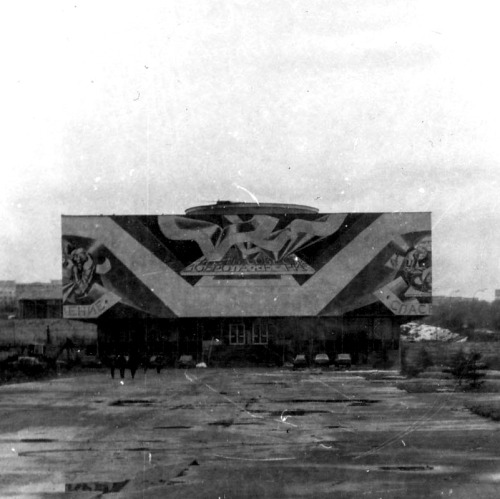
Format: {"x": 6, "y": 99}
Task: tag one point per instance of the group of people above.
{"x": 122, "y": 362}
{"x": 132, "y": 362}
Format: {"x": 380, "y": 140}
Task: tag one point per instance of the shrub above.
{"x": 486, "y": 409}
{"x": 467, "y": 368}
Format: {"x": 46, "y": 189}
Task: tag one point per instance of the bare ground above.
{"x": 239, "y": 433}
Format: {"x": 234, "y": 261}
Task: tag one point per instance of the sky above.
{"x": 151, "y": 107}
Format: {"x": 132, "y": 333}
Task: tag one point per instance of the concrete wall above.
{"x": 440, "y": 353}
{"x": 23, "y": 332}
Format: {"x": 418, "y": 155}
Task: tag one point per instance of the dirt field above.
{"x": 240, "y": 433}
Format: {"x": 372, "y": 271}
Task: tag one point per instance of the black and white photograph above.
{"x": 249, "y": 249}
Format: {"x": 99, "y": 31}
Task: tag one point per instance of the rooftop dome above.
{"x": 229, "y": 207}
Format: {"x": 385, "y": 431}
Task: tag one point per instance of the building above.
{"x": 38, "y": 321}
{"x": 244, "y": 281}
{"x": 7, "y": 293}
{"x": 497, "y": 294}
{"x": 40, "y": 300}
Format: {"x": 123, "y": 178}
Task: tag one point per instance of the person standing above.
{"x": 112, "y": 365}
{"x": 145, "y": 362}
{"x": 133, "y": 364}
{"x": 160, "y": 361}
{"x": 121, "y": 363}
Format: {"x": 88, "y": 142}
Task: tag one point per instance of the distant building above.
{"x": 40, "y": 300}
{"x": 497, "y": 294}
{"x": 7, "y": 293}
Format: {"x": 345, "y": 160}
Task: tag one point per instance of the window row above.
{"x": 258, "y": 336}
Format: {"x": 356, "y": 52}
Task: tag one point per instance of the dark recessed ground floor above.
{"x": 251, "y": 340}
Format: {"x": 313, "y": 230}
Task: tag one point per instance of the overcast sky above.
{"x": 153, "y": 107}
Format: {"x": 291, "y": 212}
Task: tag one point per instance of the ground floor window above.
{"x": 260, "y": 334}
{"x": 237, "y": 334}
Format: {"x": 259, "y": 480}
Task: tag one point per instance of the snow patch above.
{"x": 412, "y": 331}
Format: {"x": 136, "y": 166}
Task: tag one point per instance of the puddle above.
{"x": 329, "y": 401}
{"x": 135, "y": 402}
{"x": 291, "y": 412}
{"x": 222, "y": 422}
{"x": 72, "y": 451}
{"x": 51, "y": 451}
{"x": 37, "y": 440}
{"x": 275, "y": 383}
{"x": 172, "y": 427}
{"x": 407, "y": 468}
{"x": 298, "y": 412}
{"x": 250, "y": 423}
{"x": 104, "y": 487}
